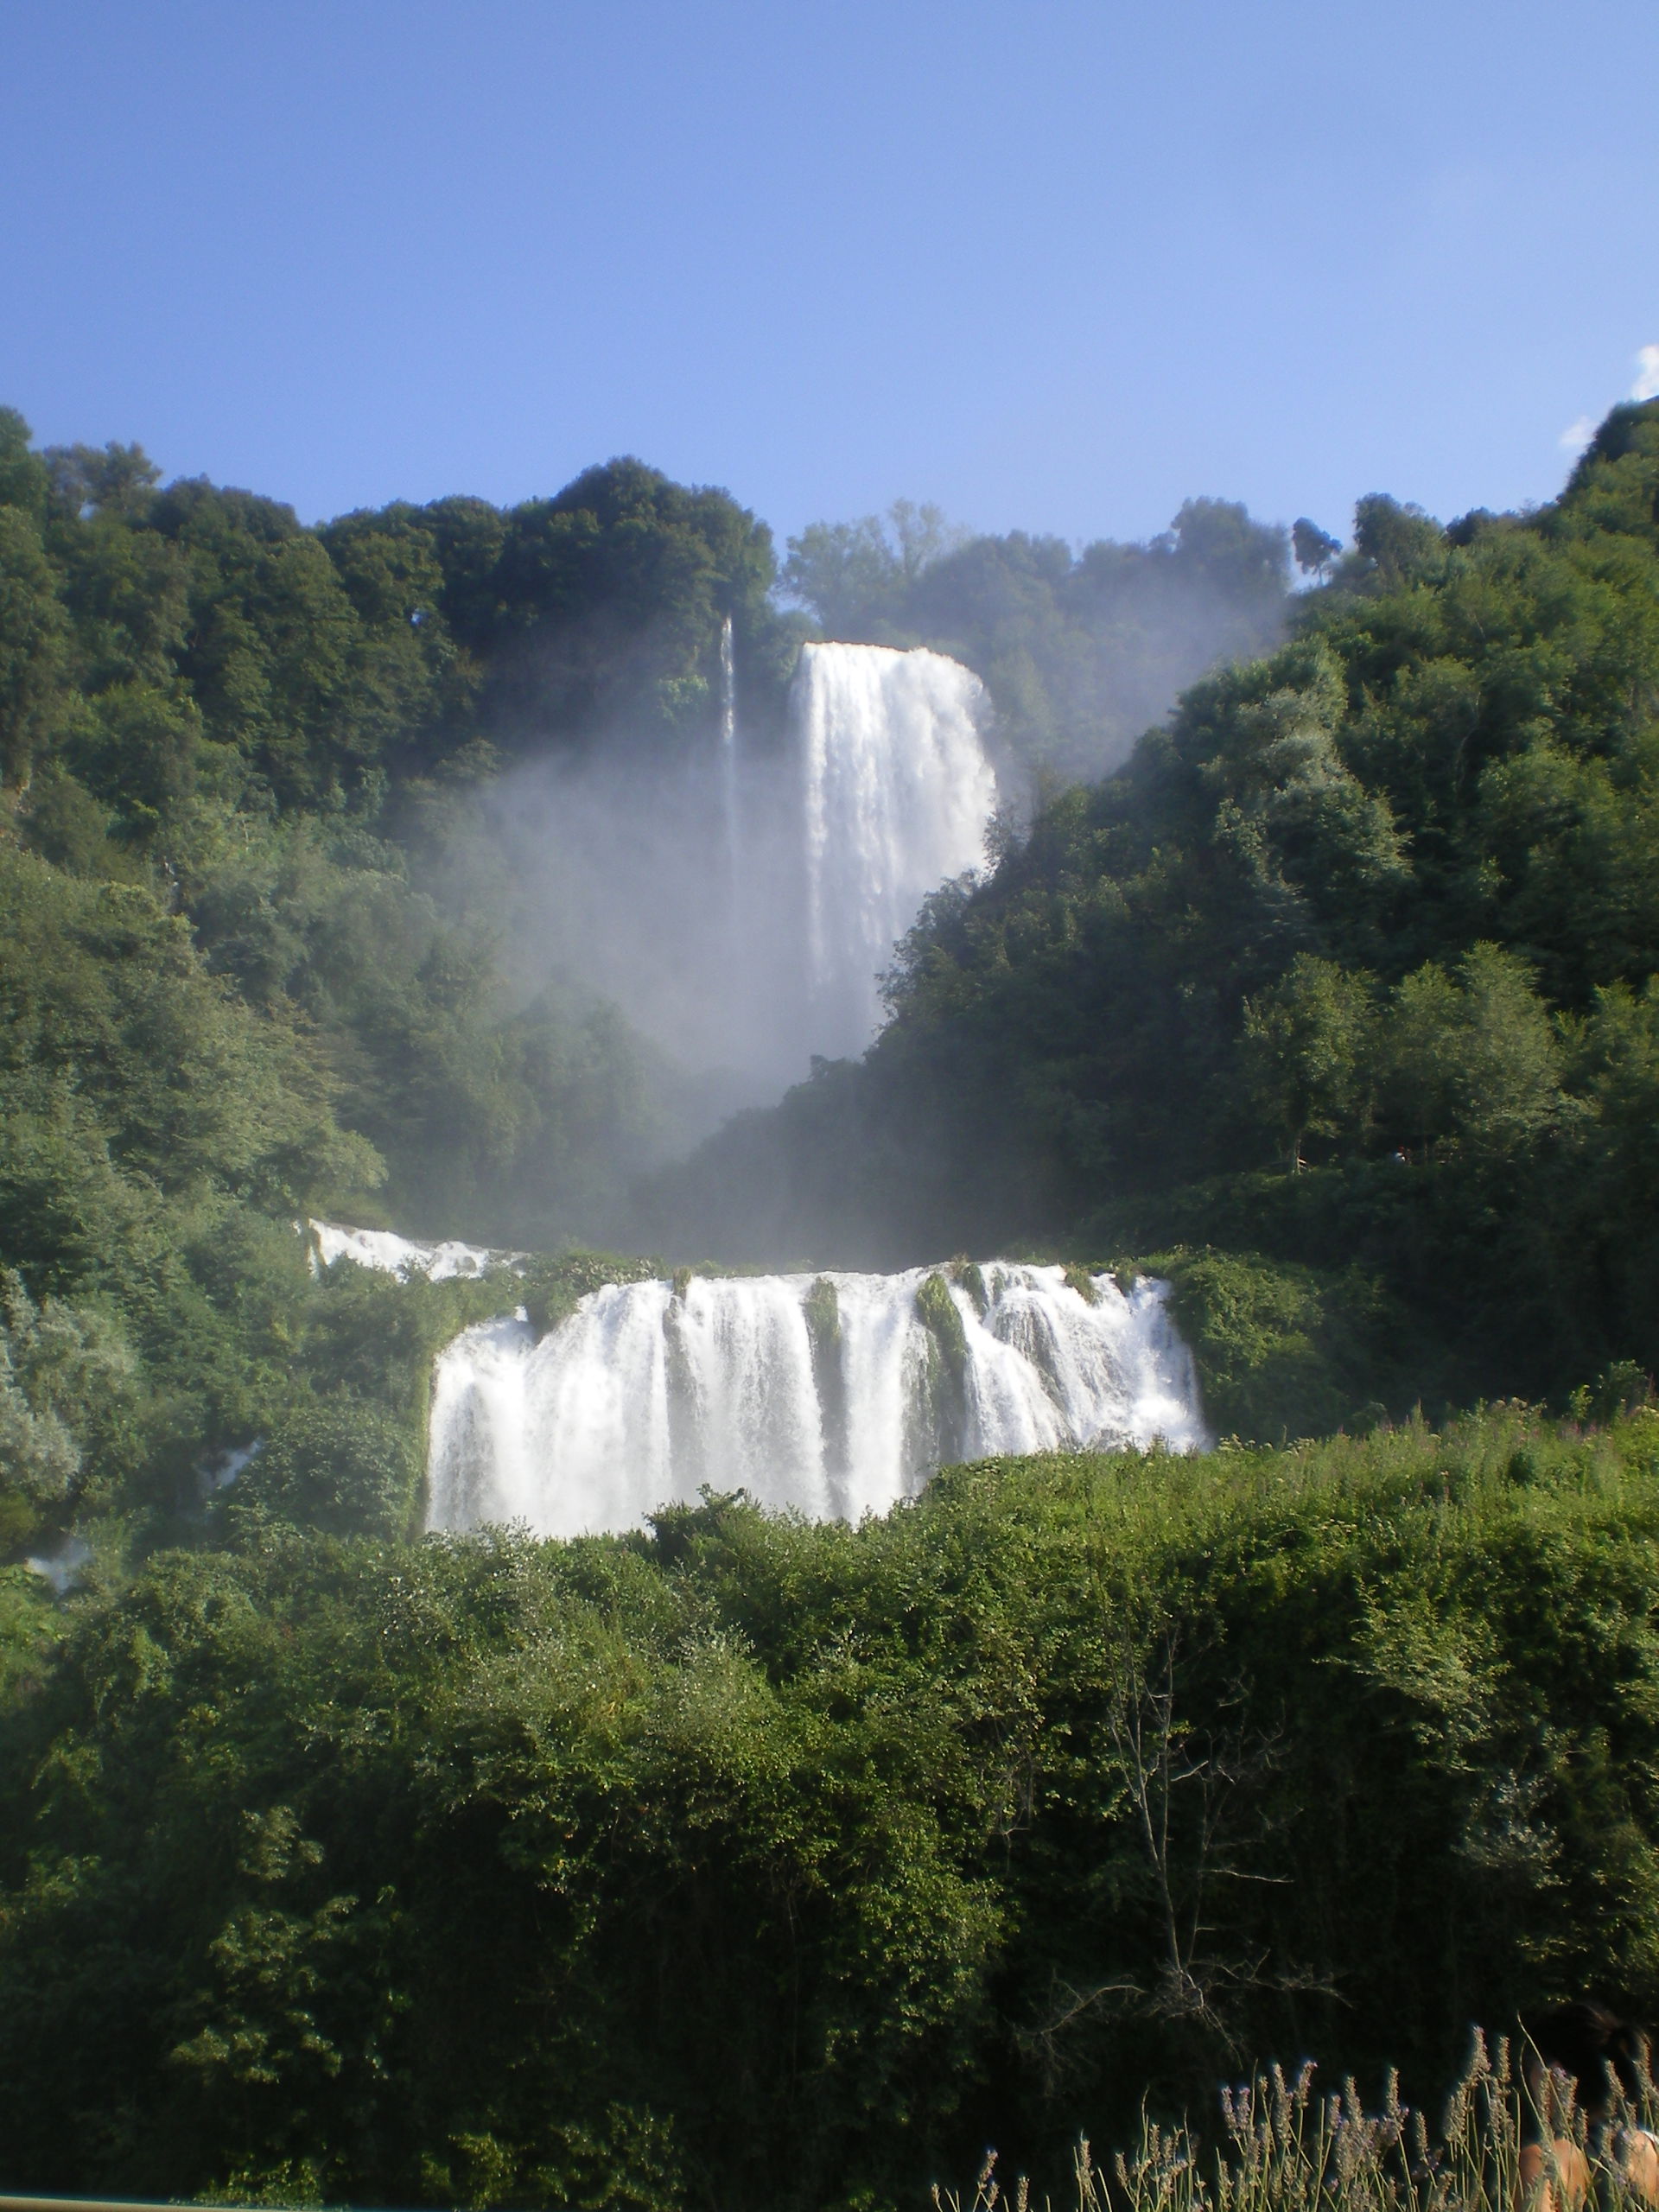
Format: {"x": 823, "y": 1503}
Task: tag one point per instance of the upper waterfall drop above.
{"x": 898, "y": 792}
{"x": 736, "y": 891}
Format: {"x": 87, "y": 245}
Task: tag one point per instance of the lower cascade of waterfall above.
{"x": 833, "y": 1395}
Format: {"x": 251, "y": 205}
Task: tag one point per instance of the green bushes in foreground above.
{"x": 747, "y": 1862}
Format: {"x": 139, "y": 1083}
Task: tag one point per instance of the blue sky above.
{"x": 1053, "y": 266}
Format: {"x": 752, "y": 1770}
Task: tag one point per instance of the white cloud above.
{"x": 1647, "y": 378}
{"x": 1577, "y": 435}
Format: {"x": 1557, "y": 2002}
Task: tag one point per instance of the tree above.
{"x": 1307, "y": 1049}
{"x": 1221, "y": 546}
{"x": 23, "y": 472}
{"x": 845, "y": 572}
{"x": 33, "y": 636}
{"x": 1398, "y": 541}
{"x": 1471, "y": 1056}
{"x": 91, "y": 479}
{"x": 1315, "y": 548}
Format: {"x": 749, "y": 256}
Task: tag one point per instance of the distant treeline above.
{"x": 1344, "y": 988}
{"x": 158, "y": 641}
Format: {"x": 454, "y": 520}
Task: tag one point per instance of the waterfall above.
{"x": 834, "y": 1395}
{"x": 728, "y": 757}
{"x": 383, "y": 1249}
{"x": 898, "y": 793}
{"x": 738, "y": 897}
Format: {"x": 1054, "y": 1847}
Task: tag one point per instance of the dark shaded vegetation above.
{"x": 277, "y": 734}
{"x": 751, "y": 1863}
{"x": 1347, "y": 977}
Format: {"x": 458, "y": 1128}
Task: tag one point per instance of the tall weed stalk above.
{"x": 1286, "y": 2146}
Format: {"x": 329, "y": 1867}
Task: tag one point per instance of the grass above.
{"x": 1285, "y": 2145}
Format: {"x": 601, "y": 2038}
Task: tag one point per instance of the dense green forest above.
{"x": 746, "y": 1863}
{"x": 741, "y": 1862}
{"x": 237, "y": 754}
{"x": 1339, "y": 996}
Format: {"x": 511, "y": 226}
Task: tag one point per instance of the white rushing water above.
{"x": 738, "y": 896}
{"x": 898, "y": 792}
{"x": 392, "y": 1255}
{"x": 830, "y": 1394}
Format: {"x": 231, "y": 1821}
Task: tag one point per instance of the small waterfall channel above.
{"x": 730, "y": 817}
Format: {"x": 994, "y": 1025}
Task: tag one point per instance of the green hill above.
{"x": 1346, "y": 976}
{"x": 739, "y": 1861}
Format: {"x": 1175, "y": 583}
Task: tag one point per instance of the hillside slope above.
{"x": 1349, "y": 974}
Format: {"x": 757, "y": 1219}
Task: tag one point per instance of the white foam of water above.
{"x": 898, "y": 792}
{"x": 399, "y": 1256}
{"x": 641, "y": 1394}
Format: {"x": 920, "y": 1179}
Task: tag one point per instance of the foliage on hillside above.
{"x": 754, "y": 1863}
{"x": 748, "y": 1861}
{"x": 276, "y": 732}
{"x": 240, "y": 976}
{"x": 1351, "y": 969}
{"x": 249, "y": 965}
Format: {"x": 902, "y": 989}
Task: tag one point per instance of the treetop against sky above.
{"x": 1053, "y": 268}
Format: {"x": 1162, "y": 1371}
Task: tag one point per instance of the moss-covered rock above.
{"x": 552, "y": 1285}
{"x": 821, "y": 1307}
{"x": 941, "y": 1316}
